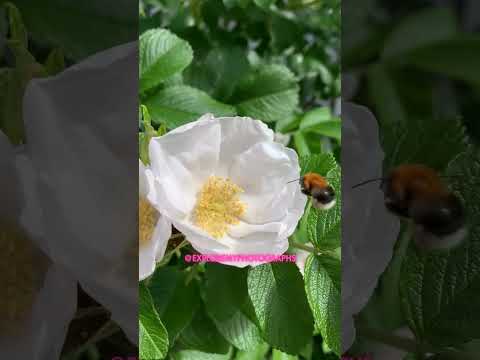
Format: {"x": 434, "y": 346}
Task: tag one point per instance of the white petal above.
{"x": 181, "y": 161}
{"x": 238, "y": 135}
{"x": 84, "y": 182}
{"x": 263, "y": 172}
{"x": 45, "y": 329}
{"x": 153, "y": 252}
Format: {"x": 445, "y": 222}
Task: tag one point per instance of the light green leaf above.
{"x": 323, "y": 286}
{"x": 275, "y": 290}
{"x": 319, "y": 163}
{"x": 55, "y": 62}
{"x": 264, "y": 4}
{"x": 268, "y": 94}
{"x": 259, "y": 353}
{"x": 178, "y": 105}
{"x": 199, "y": 355}
{"x": 441, "y": 290}
{"x": 324, "y": 227}
{"x": 301, "y": 144}
{"x": 278, "y": 355}
{"x": 228, "y": 304}
{"x": 153, "y": 335}
{"x": 321, "y": 121}
{"x": 162, "y": 54}
{"x": 18, "y": 32}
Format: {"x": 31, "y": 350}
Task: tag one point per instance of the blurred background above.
{"x": 415, "y": 65}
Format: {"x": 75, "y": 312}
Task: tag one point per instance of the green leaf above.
{"x": 18, "y": 32}
{"x": 102, "y": 25}
{"x": 323, "y": 286}
{"x": 175, "y": 300}
{"x": 278, "y": 355}
{"x": 301, "y": 144}
{"x": 153, "y": 335}
{"x": 321, "y": 121}
{"x": 228, "y": 304}
{"x": 232, "y": 3}
{"x": 275, "y": 290}
{"x": 55, "y": 62}
{"x": 457, "y": 58}
{"x": 324, "y": 227}
{"x": 319, "y": 163}
{"x": 199, "y": 355}
{"x": 178, "y": 105}
{"x": 219, "y": 73}
{"x": 259, "y": 353}
{"x": 201, "y": 334}
{"x": 264, "y": 4}
{"x": 441, "y": 290}
{"x": 162, "y": 54}
{"x": 420, "y": 29}
{"x": 428, "y": 141}
{"x": 269, "y": 94}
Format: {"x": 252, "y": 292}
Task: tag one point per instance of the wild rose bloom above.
{"x": 154, "y": 229}
{"x": 38, "y": 297}
{"x": 222, "y": 182}
{"x": 86, "y": 178}
{"x": 369, "y": 231}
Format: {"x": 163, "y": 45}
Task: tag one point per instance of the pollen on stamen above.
{"x": 147, "y": 219}
{"x": 17, "y": 276}
{"x": 218, "y": 206}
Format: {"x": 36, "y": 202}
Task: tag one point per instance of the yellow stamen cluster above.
{"x": 17, "y": 275}
{"x": 147, "y": 219}
{"x": 218, "y": 206}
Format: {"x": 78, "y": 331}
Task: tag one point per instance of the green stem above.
{"x": 301, "y": 246}
{"x": 168, "y": 256}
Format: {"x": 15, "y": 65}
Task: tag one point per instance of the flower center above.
{"x": 218, "y": 206}
{"x": 147, "y": 218}
{"x": 18, "y": 279}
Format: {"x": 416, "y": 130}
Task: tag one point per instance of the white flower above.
{"x": 86, "y": 175}
{"x": 223, "y": 183}
{"x": 154, "y": 229}
{"x": 38, "y": 297}
{"x": 369, "y": 231}
{"x": 301, "y": 259}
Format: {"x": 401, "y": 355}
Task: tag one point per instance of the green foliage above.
{"x": 323, "y": 287}
{"x": 152, "y": 334}
{"x": 275, "y": 289}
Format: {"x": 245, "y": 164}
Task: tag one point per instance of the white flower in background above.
{"x": 86, "y": 177}
{"x": 223, "y": 183}
{"x": 301, "y": 259}
{"x": 369, "y": 231}
{"x": 38, "y": 297}
{"x": 153, "y": 229}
